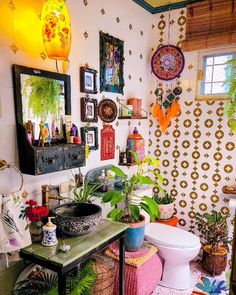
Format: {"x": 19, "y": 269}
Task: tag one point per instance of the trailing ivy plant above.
{"x": 230, "y": 106}
{"x": 44, "y": 96}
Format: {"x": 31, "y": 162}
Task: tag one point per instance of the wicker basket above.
{"x": 104, "y": 268}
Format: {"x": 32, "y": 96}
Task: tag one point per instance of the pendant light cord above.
{"x": 169, "y": 19}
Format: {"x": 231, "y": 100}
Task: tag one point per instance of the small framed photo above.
{"x": 88, "y": 80}
{"x": 89, "y": 137}
{"x": 89, "y": 109}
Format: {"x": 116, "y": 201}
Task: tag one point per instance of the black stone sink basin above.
{"x": 77, "y": 219}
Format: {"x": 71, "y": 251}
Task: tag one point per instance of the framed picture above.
{"x": 89, "y": 109}
{"x": 88, "y": 80}
{"x": 111, "y": 64}
{"x": 89, "y": 137}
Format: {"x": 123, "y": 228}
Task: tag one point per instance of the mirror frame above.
{"x": 17, "y": 70}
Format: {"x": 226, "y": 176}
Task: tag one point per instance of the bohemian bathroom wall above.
{"x": 196, "y": 152}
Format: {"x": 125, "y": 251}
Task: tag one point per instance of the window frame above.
{"x": 202, "y": 66}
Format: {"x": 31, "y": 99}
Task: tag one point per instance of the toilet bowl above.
{"x": 177, "y": 247}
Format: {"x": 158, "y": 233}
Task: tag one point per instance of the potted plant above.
{"x": 166, "y": 206}
{"x": 214, "y": 228}
{"x": 128, "y": 210}
{"x": 230, "y": 106}
{"x": 34, "y": 213}
{"x": 80, "y": 216}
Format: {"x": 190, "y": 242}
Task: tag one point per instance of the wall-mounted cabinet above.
{"x": 42, "y": 96}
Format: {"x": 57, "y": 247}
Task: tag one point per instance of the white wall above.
{"x": 83, "y": 18}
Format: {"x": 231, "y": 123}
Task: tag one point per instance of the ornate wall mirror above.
{"x": 41, "y": 96}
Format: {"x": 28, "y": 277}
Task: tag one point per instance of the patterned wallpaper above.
{"x": 197, "y": 153}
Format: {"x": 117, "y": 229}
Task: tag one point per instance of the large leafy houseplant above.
{"x": 130, "y": 204}
{"x": 44, "y": 96}
{"x": 214, "y": 229}
{"x": 131, "y": 211}
{"x": 230, "y": 106}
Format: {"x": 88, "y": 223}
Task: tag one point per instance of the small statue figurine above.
{"x": 44, "y": 134}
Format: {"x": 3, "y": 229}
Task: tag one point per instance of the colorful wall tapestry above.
{"x": 111, "y": 64}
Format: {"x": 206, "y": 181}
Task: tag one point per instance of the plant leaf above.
{"x": 135, "y": 212}
{"x": 146, "y": 208}
{"x": 108, "y": 196}
{"x": 118, "y": 172}
{"x": 117, "y": 198}
{"x": 115, "y": 214}
{"x": 153, "y": 206}
{"x": 146, "y": 180}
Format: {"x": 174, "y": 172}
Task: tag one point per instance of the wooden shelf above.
{"x": 127, "y": 164}
{"x": 228, "y": 191}
{"x": 131, "y": 118}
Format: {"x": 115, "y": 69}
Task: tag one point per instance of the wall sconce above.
{"x": 56, "y": 29}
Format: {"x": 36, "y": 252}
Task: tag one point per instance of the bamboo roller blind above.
{"x": 210, "y": 24}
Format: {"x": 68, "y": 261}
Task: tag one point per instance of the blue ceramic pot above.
{"x": 134, "y": 236}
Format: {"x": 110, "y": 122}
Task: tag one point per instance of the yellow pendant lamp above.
{"x": 56, "y": 29}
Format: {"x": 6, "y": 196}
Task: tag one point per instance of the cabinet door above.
{"x": 74, "y": 156}
{"x": 49, "y": 159}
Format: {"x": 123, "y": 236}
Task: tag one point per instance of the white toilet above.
{"x": 177, "y": 247}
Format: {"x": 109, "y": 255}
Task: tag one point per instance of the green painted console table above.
{"x": 82, "y": 248}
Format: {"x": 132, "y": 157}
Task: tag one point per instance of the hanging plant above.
{"x": 230, "y": 106}
{"x": 44, "y": 96}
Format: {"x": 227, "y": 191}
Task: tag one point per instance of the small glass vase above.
{"x": 36, "y": 231}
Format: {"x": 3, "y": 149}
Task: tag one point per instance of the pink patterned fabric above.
{"x": 141, "y": 280}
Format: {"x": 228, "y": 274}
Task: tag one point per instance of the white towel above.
{"x": 14, "y": 232}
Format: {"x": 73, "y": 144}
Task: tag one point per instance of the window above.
{"x": 212, "y": 75}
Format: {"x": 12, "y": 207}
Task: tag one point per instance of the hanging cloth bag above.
{"x": 14, "y": 232}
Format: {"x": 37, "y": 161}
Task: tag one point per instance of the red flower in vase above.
{"x": 34, "y": 212}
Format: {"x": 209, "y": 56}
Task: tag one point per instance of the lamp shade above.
{"x": 56, "y": 29}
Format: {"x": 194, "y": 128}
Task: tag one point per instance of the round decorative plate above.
{"x": 107, "y": 110}
{"x": 167, "y": 62}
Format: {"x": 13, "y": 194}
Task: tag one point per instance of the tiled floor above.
{"x": 196, "y": 273}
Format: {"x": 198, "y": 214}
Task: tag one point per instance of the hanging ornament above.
{"x": 56, "y": 29}
{"x": 167, "y": 62}
{"x": 170, "y": 108}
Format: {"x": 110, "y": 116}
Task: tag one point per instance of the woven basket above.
{"x": 104, "y": 268}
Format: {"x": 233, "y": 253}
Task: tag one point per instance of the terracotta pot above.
{"x": 214, "y": 262}
{"x": 137, "y": 106}
{"x": 166, "y": 211}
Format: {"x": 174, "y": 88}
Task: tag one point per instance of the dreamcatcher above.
{"x": 167, "y": 64}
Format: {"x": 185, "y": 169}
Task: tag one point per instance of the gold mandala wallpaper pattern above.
{"x": 197, "y": 152}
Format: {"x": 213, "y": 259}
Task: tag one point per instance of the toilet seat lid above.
{"x": 170, "y": 236}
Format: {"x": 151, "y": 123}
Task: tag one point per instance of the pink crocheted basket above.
{"x": 140, "y": 280}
